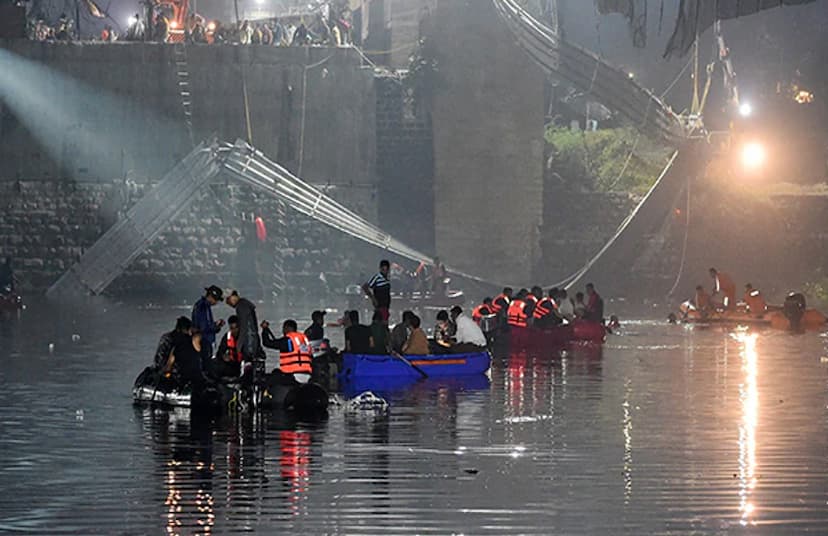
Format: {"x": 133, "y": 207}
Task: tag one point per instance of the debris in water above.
{"x": 471, "y": 471}
{"x": 823, "y": 359}
{"x": 79, "y": 415}
{"x": 75, "y": 337}
{"x": 51, "y": 347}
{"x": 366, "y": 402}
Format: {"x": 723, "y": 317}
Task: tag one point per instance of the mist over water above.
{"x": 667, "y": 430}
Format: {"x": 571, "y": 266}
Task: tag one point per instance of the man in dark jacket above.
{"x": 170, "y": 339}
{"x": 249, "y": 343}
{"x": 202, "y": 318}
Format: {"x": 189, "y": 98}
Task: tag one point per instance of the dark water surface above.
{"x": 668, "y": 430}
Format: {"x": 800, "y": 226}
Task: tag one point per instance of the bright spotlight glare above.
{"x": 753, "y": 155}
{"x": 173, "y": 25}
{"x": 745, "y": 109}
{"x": 131, "y": 20}
{"x": 211, "y": 26}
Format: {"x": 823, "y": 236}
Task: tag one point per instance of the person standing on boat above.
{"x": 316, "y": 331}
{"x": 295, "y": 354}
{"x": 249, "y": 343}
{"x": 202, "y": 318}
{"x": 724, "y": 287}
{"x": 378, "y": 288}
{"x": 594, "y": 306}
{"x": 469, "y": 337}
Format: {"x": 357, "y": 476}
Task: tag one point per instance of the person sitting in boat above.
{"x": 755, "y": 302}
{"x": 357, "y": 336}
{"x": 566, "y": 308}
{"x": 168, "y": 340}
{"x": 544, "y": 313}
{"x": 417, "y": 343}
{"x": 701, "y": 301}
{"x": 517, "y": 316}
{"x": 295, "y": 354}
{"x": 723, "y": 288}
{"x": 500, "y": 305}
{"x": 483, "y": 310}
{"x": 380, "y": 336}
{"x": 594, "y": 306}
{"x": 316, "y": 331}
{"x": 184, "y": 363}
{"x": 534, "y": 297}
{"x": 228, "y": 358}
{"x": 469, "y": 337}
{"x": 579, "y": 308}
{"x": 443, "y": 333}
{"x": 399, "y": 335}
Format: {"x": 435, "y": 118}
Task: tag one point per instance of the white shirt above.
{"x": 468, "y": 331}
{"x": 565, "y": 309}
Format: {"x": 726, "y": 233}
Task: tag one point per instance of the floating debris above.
{"x": 366, "y": 402}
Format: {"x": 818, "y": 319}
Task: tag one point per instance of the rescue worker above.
{"x": 202, "y": 317}
{"x": 534, "y": 296}
{"x": 228, "y": 358}
{"x": 500, "y": 305}
{"x": 794, "y": 309}
{"x": 701, "y": 300}
{"x": 755, "y": 301}
{"x": 724, "y": 287}
{"x": 594, "y": 306}
{"x": 544, "y": 311}
{"x": 295, "y": 354}
{"x": 516, "y": 315}
{"x": 483, "y": 310}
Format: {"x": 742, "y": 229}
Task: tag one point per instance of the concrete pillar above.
{"x": 487, "y": 114}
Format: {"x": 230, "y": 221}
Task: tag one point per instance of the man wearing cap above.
{"x": 202, "y": 318}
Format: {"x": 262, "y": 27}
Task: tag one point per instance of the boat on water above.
{"x": 578, "y": 331}
{"x": 774, "y": 318}
{"x": 278, "y": 391}
{"x": 393, "y": 385}
{"x": 367, "y": 366}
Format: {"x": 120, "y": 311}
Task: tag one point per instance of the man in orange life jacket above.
{"x": 724, "y": 287}
{"x": 228, "y": 357}
{"x": 500, "y": 305}
{"x": 545, "y": 311}
{"x": 295, "y": 354}
{"x": 484, "y": 309}
{"x": 519, "y": 311}
{"x": 755, "y": 301}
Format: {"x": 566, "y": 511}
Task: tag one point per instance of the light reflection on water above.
{"x": 666, "y": 430}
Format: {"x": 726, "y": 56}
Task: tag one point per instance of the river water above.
{"x": 667, "y": 430}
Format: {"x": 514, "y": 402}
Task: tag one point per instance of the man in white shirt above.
{"x": 565, "y": 307}
{"x": 469, "y": 336}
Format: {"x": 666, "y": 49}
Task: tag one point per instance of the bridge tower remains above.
{"x": 487, "y": 115}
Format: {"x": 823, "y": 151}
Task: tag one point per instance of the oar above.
{"x": 410, "y": 364}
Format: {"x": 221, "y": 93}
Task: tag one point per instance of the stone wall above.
{"x": 487, "y": 116}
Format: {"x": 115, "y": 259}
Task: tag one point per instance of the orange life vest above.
{"x": 544, "y": 308}
{"x": 755, "y": 302}
{"x": 480, "y": 311}
{"x": 516, "y": 316}
{"x": 232, "y": 348}
{"x": 298, "y": 360}
{"x": 496, "y": 307}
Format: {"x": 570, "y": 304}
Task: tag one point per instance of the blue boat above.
{"x": 365, "y": 366}
{"x": 395, "y": 386}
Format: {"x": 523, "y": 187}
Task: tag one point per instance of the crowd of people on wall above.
{"x": 329, "y": 25}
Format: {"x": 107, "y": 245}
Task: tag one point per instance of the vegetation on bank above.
{"x": 606, "y": 160}
{"x": 817, "y": 291}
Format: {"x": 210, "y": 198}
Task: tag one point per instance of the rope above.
{"x": 684, "y": 243}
